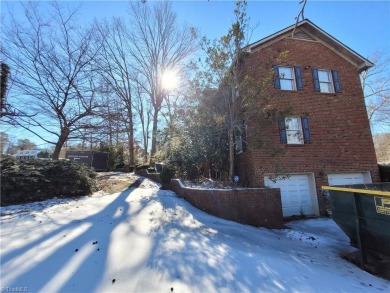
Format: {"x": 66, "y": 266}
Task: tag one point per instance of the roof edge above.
{"x": 364, "y": 63}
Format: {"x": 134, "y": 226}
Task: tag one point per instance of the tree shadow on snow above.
{"x": 189, "y": 248}
{"x": 79, "y": 264}
{"x": 197, "y": 249}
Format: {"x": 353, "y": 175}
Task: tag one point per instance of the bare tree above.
{"x": 113, "y": 114}
{"x": 25, "y": 144}
{"x": 10, "y": 146}
{"x": 144, "y": 112}
{"x": 5, "y": 143}
{"x": 158, "y": 44}
{"x": 115, "y": 64}
{"x": 376, "y": 86}
{"x": 53, "y": 72}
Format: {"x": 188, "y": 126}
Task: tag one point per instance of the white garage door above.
{"x": 346, "y": 179}
{"x": 295, "y": 193}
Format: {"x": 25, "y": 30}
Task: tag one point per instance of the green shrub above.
{"x": 36, "y": 180}
{"x": 166, "y": 175}
{"x": 115, "y": 154}
{"x": 43, "y": 154}
{"x": 119, "y": 166}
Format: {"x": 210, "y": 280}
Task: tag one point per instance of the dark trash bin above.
{"x": 159, "y": 167}
{"x": 362, "y": 211}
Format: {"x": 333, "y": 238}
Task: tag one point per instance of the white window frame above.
{"x": 294, "y": 135}
{"x": 283, "y": 78}
{"x": 329, "y": 83}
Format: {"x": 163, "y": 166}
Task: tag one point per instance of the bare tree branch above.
{"x": 300, "y": 15}
{"x": 376, "y": 87}
{"x": 54, "y": 71}
{"x": 158, "y": 44}
{"x": 116, "y": 68}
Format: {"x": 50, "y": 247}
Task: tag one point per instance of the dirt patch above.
{"x": 115, "y": 182}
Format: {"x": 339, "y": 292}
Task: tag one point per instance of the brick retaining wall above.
{"x": 260, "y": 207}
{"x": 152, "y": 176}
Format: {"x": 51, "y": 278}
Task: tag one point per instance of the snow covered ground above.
{"x": 148, "y": 240}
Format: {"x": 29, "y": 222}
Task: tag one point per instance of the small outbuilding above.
{"x": 97, "y": 160}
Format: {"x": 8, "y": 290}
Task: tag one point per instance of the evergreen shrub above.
{"x": 37, "y": 180}
{"x": 166, "y": 175}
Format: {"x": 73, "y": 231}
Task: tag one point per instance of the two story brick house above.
{"x": 327, "y": 138}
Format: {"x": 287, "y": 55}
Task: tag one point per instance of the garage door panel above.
{"x": 345, "y": 179}
{"x": 293, "y": 202}
{"x": 295, "y": 194}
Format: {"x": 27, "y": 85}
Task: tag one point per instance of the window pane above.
{"x": 294, "y": 130}
{"x": 285, "y": 73}
{"x": 325, "y": 79}
{"x": 286, "y": 84}
{"x": 294, "y": 137}
{"x": 292, "y": 123}
{"x": 324, "y": 75}
{"x": 325, "y": 87}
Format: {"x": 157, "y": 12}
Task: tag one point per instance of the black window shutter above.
{"x": 306, "y": 130}
{"x": 336, "y": 81}
{"x": 276, "y": 77}
{"x": 282, "y": 130}
{"x": 316, "y": 80}
{"x": 298, "y": 77}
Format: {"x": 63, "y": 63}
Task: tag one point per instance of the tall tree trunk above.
{"x": 231, "y": 110}
{"x": 146, "y": 141}
{"x": 110, "y": 131}
{"x": 61, "y": 141}
{"x": 131, "y": 136}
{"x": 231, "y": 153}
{"x": 3, "y": 87}
{"x": 154, "y": 136}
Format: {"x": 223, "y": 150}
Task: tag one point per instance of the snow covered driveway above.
{"x": 148, "y": 240}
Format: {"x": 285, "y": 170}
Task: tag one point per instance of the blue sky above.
{"x": 364, "y": 26}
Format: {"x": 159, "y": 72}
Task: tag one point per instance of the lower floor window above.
{"x": 294, "y": 130}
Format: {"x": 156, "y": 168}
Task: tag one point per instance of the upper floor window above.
{"x": 294, "y": 130}
{"x": 288, "y": 78}
{"x": 326, "y": 81}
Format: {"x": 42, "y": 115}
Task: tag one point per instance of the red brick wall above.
{"x": 151, "y": 176}
{"x": 260, "y": 207}
{"x": 340, "y": 131}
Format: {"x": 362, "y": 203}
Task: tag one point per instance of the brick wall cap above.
{"x": 220, "y": 189}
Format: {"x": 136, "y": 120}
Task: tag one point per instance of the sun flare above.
{"x": 169, "y": 80}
